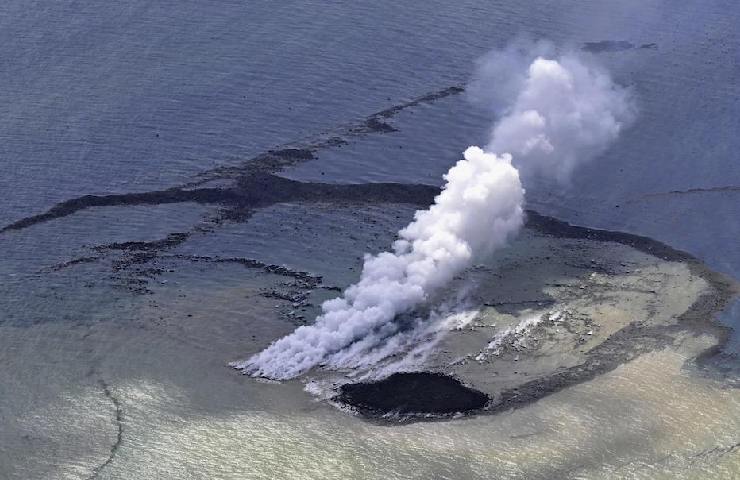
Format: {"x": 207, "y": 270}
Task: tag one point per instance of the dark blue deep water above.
{"x": 102, "y": 98}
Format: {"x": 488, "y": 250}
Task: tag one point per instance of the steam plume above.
{"x": 563, "y": 112}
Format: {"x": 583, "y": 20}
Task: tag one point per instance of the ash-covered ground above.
{"x": 560, "y": 306}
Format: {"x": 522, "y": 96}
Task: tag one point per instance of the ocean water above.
{"x": 100, "y": 98}
{"x": 113, "y": 99}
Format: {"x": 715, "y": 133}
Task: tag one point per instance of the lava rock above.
{"x": 412, "y": 394}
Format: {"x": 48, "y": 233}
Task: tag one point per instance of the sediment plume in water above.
{"x": 563, "y": 112}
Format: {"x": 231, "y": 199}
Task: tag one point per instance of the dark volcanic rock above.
{"x": 608, "y": 46}
{"x": 412, "y": 394}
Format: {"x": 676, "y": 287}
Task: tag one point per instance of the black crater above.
{"x": 412, "y": 394}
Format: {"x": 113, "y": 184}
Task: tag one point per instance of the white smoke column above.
{"x": 563, "y": 112}
{"x": 566, "y": 111}
{"x": 479, "y": 208}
